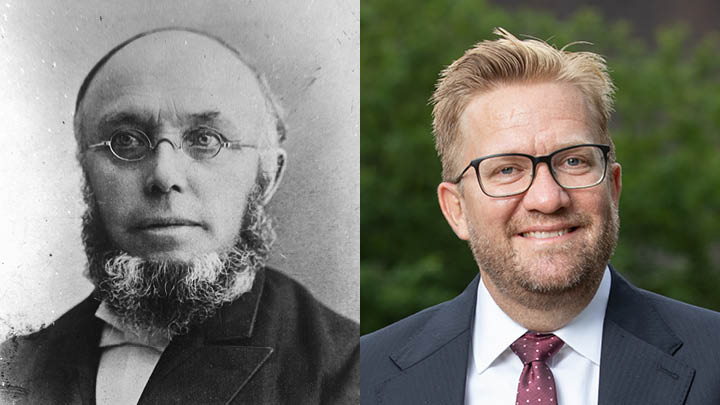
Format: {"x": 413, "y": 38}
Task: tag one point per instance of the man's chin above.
{"x": 551, "y": 286}
{"x": 552, "y": 272}
{"x": 177, "y": 257}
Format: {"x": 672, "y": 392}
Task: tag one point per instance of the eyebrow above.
{"x": 205, "y": 116}
{"x": 561, "y": 145}
{"x": 148, "y": 122}
{"x": 149, "y": 119}
{"x": 212, "y": 118}
{"x": 215, "y": 119}
{"x": 127, "y": 117}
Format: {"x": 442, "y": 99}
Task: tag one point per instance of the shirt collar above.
{"x": 494, "y": 331}
{"x": 116, "y": 334}
{"x": 584, "y": 333}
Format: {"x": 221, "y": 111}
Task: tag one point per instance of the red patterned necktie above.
{"x": 536, "y": 385}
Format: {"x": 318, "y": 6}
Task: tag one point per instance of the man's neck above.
{"x": 551, "y": 313}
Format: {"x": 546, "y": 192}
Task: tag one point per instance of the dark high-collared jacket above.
{"x": 274, "y": 345}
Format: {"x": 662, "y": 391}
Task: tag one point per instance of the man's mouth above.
{"x": 548, "y": 234}
{"x": 165, "y": 223}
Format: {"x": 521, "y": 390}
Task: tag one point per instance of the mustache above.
{"x": 164, "y": 221}
{"x": 561, "y": 217}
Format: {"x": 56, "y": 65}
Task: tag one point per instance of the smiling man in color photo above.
{"x": 531, "y": 182}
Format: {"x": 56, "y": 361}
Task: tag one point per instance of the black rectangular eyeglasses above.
{"x": 508, "y": 174}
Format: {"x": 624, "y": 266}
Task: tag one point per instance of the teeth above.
{"x": 544, "y": 235}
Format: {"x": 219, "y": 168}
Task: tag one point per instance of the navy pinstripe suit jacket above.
{"x": 655, "y": 350}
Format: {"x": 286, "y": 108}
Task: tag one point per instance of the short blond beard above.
{"x": 502, "y": 266}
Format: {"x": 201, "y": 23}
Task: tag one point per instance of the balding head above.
{"x": 171, "y": 59}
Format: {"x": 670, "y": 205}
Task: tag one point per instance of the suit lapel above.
{"x": 207, "y": 374}
{"x": 433, "y": 363}
{"x": 637, "y": 364}
{"x": 73, "y": 357}
{"x": 214, "y": 362}
{"x": 87, "y": 359}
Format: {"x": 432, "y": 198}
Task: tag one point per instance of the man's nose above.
{"x": 545, "y": 194}
{"x": 166, "y": 168}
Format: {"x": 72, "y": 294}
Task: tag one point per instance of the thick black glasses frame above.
{"x": 547, "y": 159}
{"x": 224, "y": 143}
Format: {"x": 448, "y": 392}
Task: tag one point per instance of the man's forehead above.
{"x": 519, "y": 113}
{"x": 181, "y": 71}
{"x": 176, "y": 59}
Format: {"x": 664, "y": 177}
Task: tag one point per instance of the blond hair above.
{"x": 490, "y": 64}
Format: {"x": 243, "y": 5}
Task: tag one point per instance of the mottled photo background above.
{"x": 309, "y": 52}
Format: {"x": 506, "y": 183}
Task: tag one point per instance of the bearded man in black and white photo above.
{"x": 179, "y": 142}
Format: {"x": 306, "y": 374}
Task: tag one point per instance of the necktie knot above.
{"x": 536, "y": 347}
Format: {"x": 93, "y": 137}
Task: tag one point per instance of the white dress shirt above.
{"x": 126, "y": 362}
{"x": 494, "y": 370}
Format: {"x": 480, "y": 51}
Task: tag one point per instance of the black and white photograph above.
{"x": 181, "y": 204}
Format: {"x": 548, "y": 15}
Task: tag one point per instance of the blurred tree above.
{"x": 666, "y": 133}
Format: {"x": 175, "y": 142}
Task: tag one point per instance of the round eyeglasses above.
{"x": 132, "y": 145}
{"x": 508, "y": 174}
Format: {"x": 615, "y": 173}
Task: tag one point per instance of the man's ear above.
{"x": 453, "y": 208}
{"x": 272, "y": 168}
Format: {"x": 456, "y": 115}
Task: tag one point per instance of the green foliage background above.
{"x": 665, "y": 130}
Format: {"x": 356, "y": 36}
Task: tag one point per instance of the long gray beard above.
{"x": 169, "y": 297}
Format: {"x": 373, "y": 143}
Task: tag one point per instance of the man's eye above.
{"x": 127, "y": 140}
{"x": 202, "y": 139}
{"x": 575, "y": 162}
{"x": 507, "y": 171}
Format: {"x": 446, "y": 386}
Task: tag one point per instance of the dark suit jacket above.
{"x": 275, "y": 344}
{"x": 654, "y": 351}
